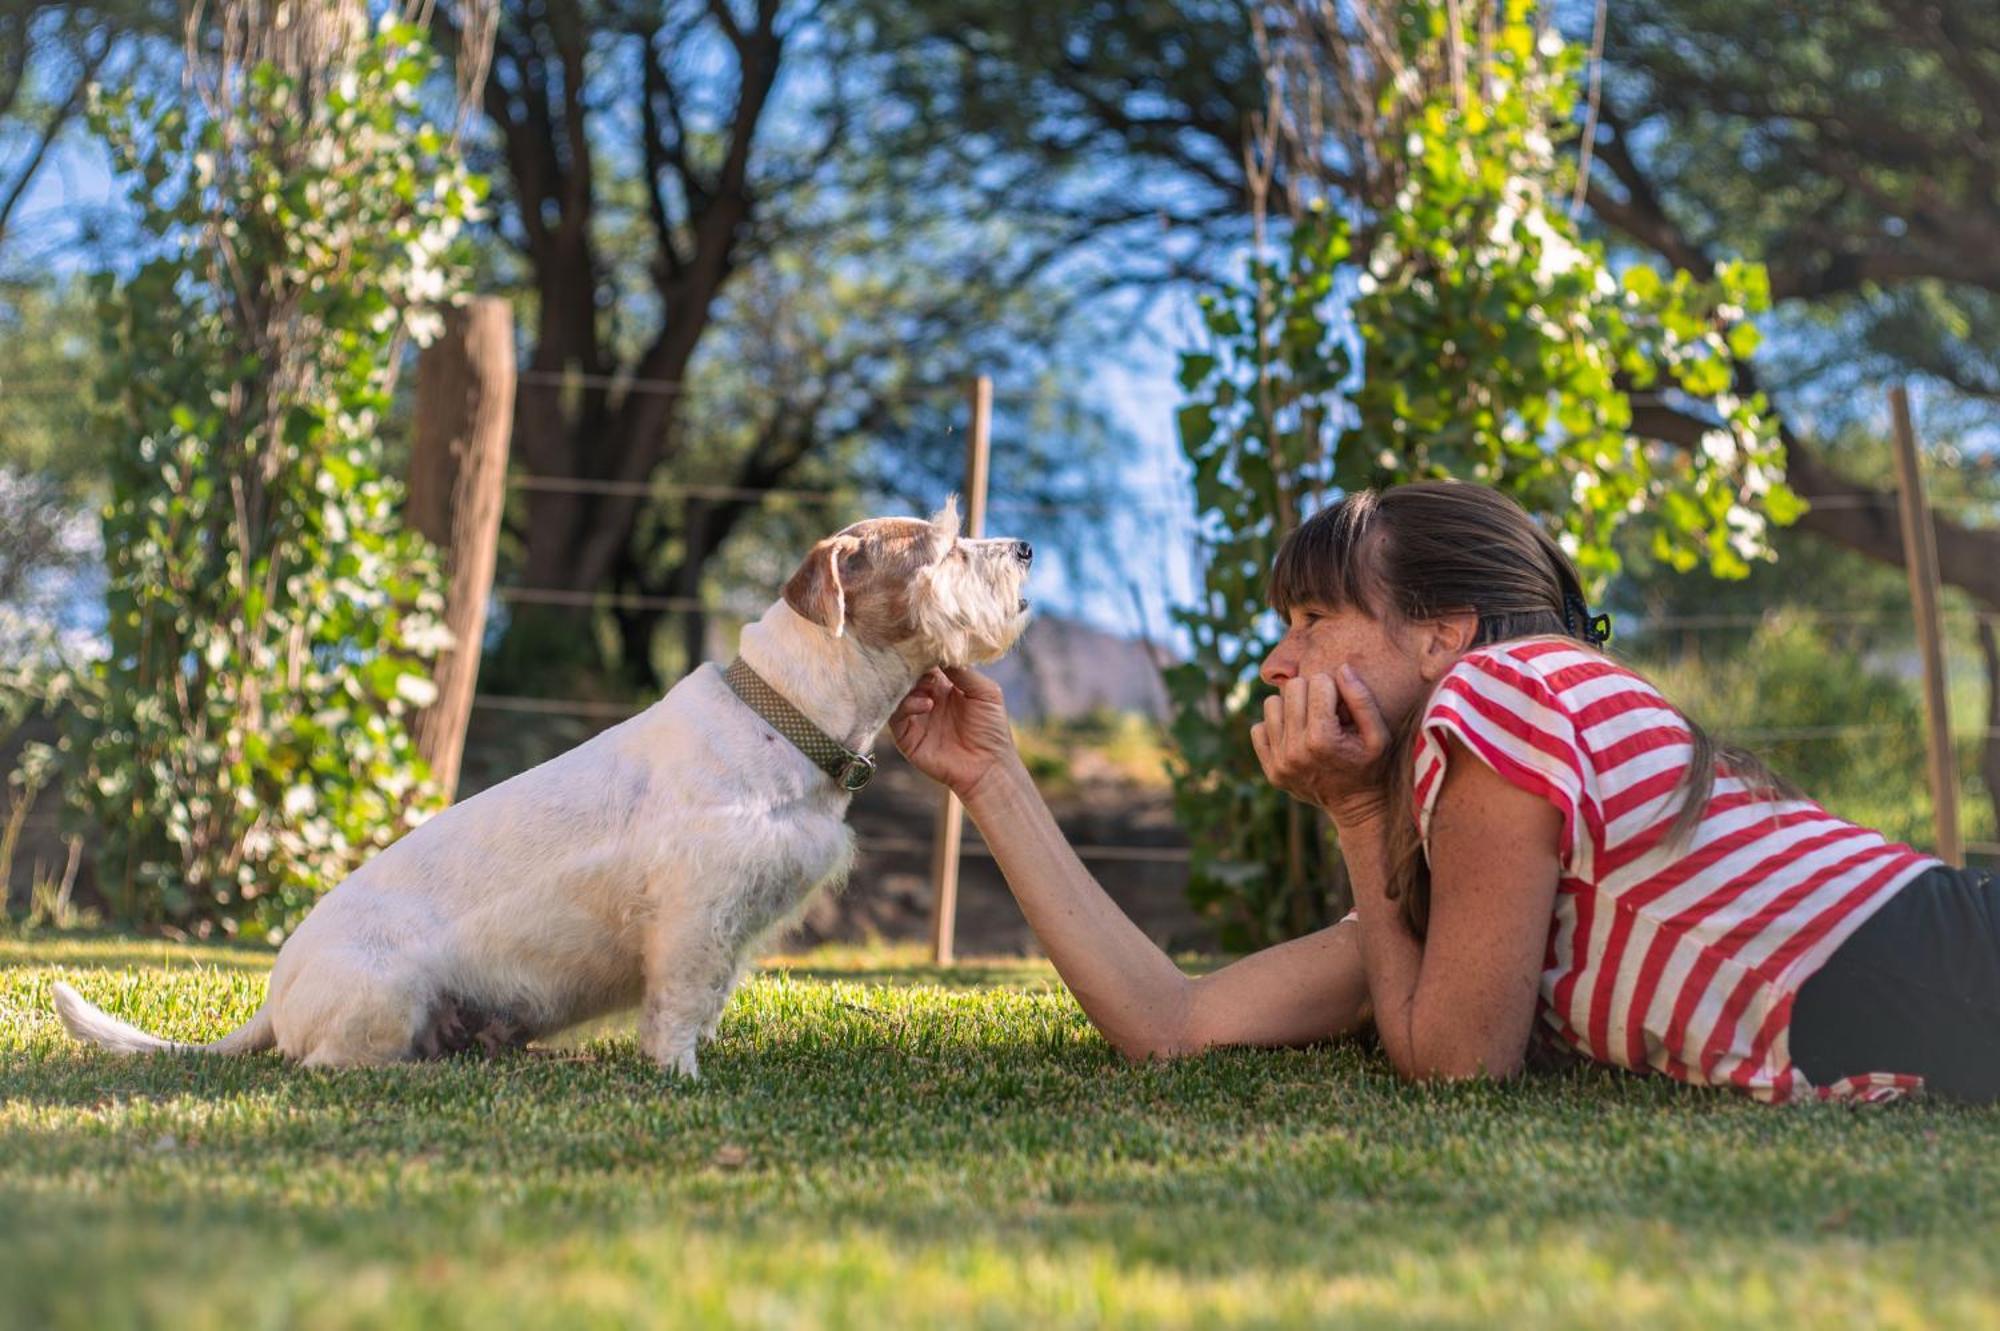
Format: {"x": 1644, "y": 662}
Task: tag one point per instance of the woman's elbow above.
{"x": 1136, "y": 1052}
{"x": 1154, "y": 1042}
{"x": 1435, "y": 1066}
{"x": 1165, "y": 1031}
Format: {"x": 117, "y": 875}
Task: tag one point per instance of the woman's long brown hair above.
{"x": 1422, "y": 551}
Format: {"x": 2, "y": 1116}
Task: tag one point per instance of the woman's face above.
{"x": 1398, "y": 662}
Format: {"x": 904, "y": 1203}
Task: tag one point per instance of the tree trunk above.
{"x": 687, "y": 583}
{"x": 458, "y": 470}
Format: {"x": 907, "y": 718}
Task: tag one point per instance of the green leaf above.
{"x": 1782, "y": 505}
{"x": 1643, "y": 283}
{"x": 1195, "y": 367}
{"x": 1197, "y": 425}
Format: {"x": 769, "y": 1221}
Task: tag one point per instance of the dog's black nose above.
{"x": 1024, "y": 552}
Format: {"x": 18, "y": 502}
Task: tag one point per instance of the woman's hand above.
{"x": 1322, "y": 740}
{"x": 953, "y": 727}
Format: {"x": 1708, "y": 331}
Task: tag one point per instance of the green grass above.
{"x": 878, "y": 1145}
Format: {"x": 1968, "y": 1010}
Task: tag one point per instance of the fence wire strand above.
{"x": 1169, "y": 503}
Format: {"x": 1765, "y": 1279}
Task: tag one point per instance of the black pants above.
{"x": 1916, "y": 989}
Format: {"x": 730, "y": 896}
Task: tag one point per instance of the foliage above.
{"x": 1124, "y": 123}
{"x": 1850, "y": 735}
{"x": 1062, "y": 754}
{"x": 50, "y": 461}
{"x": 1265, "y": 392}
{"x": 1467, "y": 331}
{"x": 244, "y": 745}
{"x": 47, "y": 357}
{"x": 876, "y": 1143}
{"x": 1853, "y": 152}
{"x": 1853, "y": 155}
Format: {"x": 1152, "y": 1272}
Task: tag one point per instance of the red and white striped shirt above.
{"x": 1682, "y": 959}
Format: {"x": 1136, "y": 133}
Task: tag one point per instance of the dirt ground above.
{"x": 890, "y": 894}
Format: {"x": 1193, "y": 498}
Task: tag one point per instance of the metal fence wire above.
{"x": 1164, "y": 504}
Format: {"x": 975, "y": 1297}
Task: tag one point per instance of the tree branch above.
{"x": 1640, "y": 215}
{"x": 664, "y": 154}
{"x": 58, "y": 119}
{"x": 1860, "y": 517}
{"x": 720, "y": 10}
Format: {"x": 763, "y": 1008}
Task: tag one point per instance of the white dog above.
{"x": 646, "y": 863}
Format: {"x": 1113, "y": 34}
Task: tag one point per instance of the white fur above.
{"x": 644, "y": 864}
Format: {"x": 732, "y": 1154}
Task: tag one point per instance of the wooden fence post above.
{"x": 1920, "y": 559}
{"x": 458, "y": 470}
{"x": 951, "y": 819}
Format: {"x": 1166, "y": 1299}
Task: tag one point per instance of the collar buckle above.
{"x": 855, "y": 772}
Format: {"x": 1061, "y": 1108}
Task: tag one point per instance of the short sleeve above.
{"x": 1507, "y": 716}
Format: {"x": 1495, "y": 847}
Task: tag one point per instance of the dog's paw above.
{"x": 681, "y": 1065}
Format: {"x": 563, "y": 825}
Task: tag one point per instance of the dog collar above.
{"x": 849, "y": 770}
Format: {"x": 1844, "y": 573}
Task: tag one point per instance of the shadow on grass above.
{"x": 121, "y": 951}
{"x": 126, "y": 951}
{"x": 976, "y": 975}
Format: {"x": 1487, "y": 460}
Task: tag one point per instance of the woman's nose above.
{"x": 1277, "y": 668}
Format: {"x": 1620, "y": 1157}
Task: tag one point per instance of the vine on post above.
{"x": 244, "y": 745}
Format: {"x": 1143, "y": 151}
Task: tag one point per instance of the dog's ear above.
{"x": 816, "y": 590}
{"x": 946, "y": 518}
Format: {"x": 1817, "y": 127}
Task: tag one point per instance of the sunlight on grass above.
{"x": 876, "y": 1144}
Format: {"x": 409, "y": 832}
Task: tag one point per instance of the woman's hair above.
{"x": 1422, "y": 551}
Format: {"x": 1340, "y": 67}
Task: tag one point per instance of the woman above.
{"x": 1535, "y": 837}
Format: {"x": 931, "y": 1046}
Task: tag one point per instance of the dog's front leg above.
{"x": 688, "y": 980}
{"x": 713, "y": 1025}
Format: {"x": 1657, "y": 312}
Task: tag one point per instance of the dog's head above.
{"x": 917, "y": 587}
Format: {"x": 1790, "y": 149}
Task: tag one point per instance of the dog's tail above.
{"x": 92, "y": 1026}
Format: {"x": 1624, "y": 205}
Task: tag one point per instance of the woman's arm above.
{"x": 1309, "y": 989}
{"x": 954, "y": 727}
{"x": 1461, "y": 1001}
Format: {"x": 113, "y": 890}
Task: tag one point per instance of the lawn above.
{"x": 875, "y": 1144}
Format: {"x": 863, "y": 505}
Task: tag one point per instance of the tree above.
{"x": 50, "y": 55}
{"x": 1446, "y": 321}
{"x": 1857, "y": 152}
{"x": 701, "y": 174}
{"x": 1124, "y": 121}
{"x": 676, "y": 176}
{"x": 48, "y": 466}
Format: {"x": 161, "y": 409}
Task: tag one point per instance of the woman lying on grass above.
{"x": 1535, "y": 837}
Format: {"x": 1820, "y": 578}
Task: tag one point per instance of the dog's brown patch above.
{"x": 861, "y": 580}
